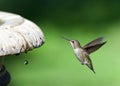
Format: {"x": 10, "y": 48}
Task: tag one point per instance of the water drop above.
{"x": 25, "y": 62}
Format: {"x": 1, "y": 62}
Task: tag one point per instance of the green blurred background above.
{"x": 54, "y": 64}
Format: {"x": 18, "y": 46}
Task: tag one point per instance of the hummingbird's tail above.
{"x": 91, "y": 67}
{"x": 93, "y": 71}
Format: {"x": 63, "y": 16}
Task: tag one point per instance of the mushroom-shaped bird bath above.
{"x": 17, "y": 35}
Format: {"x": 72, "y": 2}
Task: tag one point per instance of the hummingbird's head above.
{"x": 75, "y": 44}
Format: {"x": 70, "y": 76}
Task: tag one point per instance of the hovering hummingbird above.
{"x": 82, "y": 53}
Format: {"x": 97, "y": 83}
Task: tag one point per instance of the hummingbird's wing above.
{"x": 94, "y": 42}
{"x": 94, "y": 45}
{"x": 93, "y": 48}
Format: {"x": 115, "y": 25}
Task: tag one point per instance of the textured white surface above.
{"x": 18, "y": 34}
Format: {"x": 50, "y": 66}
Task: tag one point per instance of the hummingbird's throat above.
{"x": 72, "y": 45}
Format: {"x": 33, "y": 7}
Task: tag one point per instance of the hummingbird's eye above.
{"x": 72, "y": 41}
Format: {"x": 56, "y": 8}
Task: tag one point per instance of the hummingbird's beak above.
{"x": 66, "y": 38}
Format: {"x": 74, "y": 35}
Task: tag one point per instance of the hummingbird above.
{"x": 82, "y": 53}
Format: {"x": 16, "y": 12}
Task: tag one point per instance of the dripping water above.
{"x": 26, "y": 62}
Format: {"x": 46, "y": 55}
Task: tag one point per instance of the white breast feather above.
{"x": 77, "y": 52}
